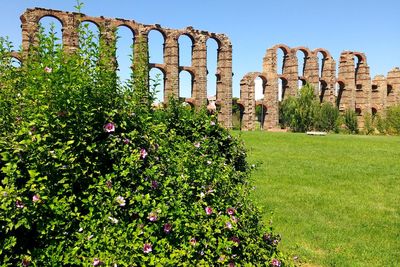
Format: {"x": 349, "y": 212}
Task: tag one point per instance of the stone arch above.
{"x": 323, "y": 86}
{"x": 283, "y": 85}
{"x": 182, "y": 47}
{"x": 286, "y": 49}
{"x": 323, "y": 51}
{"x": 185, "y": 86}
{"x": 340, "y": 94}
{"x": 124, "y": 51}
{"x": 160, "y": 94}
{"x": 213, "y": 77}
{"x": 156, "y": 50}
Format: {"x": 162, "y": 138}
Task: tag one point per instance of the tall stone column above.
{"x": 70, "y": 33}
{"x": 290, "y": 71}
{"x": 393, "y": 80}
{"x": 247, "y": 100}
{"x": 329, "y": 76}
{"x": 199, "y": 63}
{"x": 224, "y": 84}
{"x": 363, "y": 88}
{"x": 347, "y": 76}
{"x": 311, "y": 72}
{"x": 171, "y": 60}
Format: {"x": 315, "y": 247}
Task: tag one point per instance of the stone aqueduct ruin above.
{"x": 170, "y": 67}
{"x": 351, "y": 88}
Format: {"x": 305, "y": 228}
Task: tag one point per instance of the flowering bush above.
{"x": 91, "y": 175}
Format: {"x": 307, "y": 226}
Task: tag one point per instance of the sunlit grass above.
{"x": 335, "y": 199}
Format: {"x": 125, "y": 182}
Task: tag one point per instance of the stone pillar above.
{"x": 272, "y": 103}
{"x": 329, "y": 76}
{"x": 393, "y": 82}
{"x": 141, "y": 57}
{"x": 224, "y": 83}
{"x": 347, "y": 76}
{"x": 29, "y": 27}
{"x": 290, "y": 72}
{"x": 70, "y": 33}
{"x": 311, "y": 72}
{"x": 363, "y": 88}
{"x": 378, "y": 93}
{"x": 199, "y": 64}
{"x": 171, "y": 60}
{"x": 247, "y": 100}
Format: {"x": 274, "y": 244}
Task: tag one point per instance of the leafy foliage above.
{"x": 393, "y": 119}
{"x": 91, "y": 174}
{"x": 350, "y": 121}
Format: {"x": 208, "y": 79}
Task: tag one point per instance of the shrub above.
{"x": 393, "y": 119}
{"x": 350, "y": 121}
{"x": 327, "y": 118}
{"x": 368, "y": 124}
{"x": 92, "y": 175}
{"x": 299, "y": 113}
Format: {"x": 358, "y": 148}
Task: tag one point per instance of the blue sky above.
{"x": 368, "y": 26}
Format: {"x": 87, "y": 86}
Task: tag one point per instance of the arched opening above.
{"x": 322, "y": 88}
{"x": 15, "y": 62}
{"x": 124, "y": 53}
{"x": 321, "y": 63}
{"x": 212, "y": 60}
{"x": 185, "y": 85}
{"x": 185, "y": 50}
{"x": 358, "y": 60}
{"x": 280, "y": 60}
{"x": 301, "y": 82}
{"x": 157, "y": 81}
{"x": 259, "y": 88}
{"x": 261, "y": 112}
{"x": 340, "y": 91}
{"x": 389, "y": 90}
{"x": 301, "y": 62}
{"x": 358, "y": 111}
{"x": 52, "y": 27}
{"x": 89, "y": 41}
{"x": 374, "y": 111}
{"x": 156, "y": 42}
{"x": 282, "y": 86}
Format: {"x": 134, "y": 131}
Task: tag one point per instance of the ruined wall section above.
{"x": 351, "y": 88}
{"x": 170, "y": 67}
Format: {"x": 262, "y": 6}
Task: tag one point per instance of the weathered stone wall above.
{"x": 351, "y": 88}
{"x": 170, "y": 67}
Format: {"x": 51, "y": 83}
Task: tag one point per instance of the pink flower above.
{"x": 154, "y": 184}
{"x": 208, "y": 210}
{"x": 234, "y": 219}
{"x": 275, "y": 263}
{"x": 231, "y": 264}
{"x": 167, "y": 228}
{"x": 19, "y": 204}
{"x": 36, "y": 198}
{"x": 193, "y": 241}
{"x": 48, "y": 70}
{"x": 230, "y": 211}
{"x": 143, "y": 153}
{"x": 197, "y": 144}
{"x": 228, "y": 225}
{"x": 109, "y": 127}
{"x": 121, "y": 201}
{"x": 97, "y": 262}
{"x": 126, "y": 141}
{"x": 153, "y": 216}
{"x": 147, "y": 248}
{"x": 26, "y": 261}
{"x": 212, "y": 123}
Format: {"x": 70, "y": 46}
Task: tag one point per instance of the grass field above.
{"x": 335, "y": 199}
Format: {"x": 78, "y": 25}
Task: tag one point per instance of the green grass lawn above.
{"x": 335, "y": 199}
